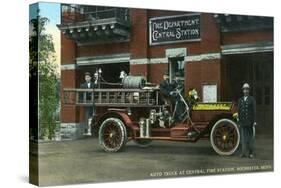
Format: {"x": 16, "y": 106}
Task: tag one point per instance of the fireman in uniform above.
{"x": 88, "y": 110}
{"x": 247, "y": 121}
{"x": 165, "y": 86}
{"x": 168, "y": 90}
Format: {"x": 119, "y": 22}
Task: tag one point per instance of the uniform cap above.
{"x": 246, "y": 86}
{"x": 87, "y": 73}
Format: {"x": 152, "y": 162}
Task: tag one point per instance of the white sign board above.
{"x": 210, "y": 93}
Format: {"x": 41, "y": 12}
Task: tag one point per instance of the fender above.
{"x": 125, "y": 117}
{"x": 209, "y": 127}
{"x": 122, "y": 115}
{"x": 217, "y": 118}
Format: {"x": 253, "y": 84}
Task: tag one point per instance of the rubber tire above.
{"x": 124, "y": 138}
{"x": 143, "y": 143}
{"x": 217, "y": 150}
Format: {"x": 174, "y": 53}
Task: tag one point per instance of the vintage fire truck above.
{"x": 134, "y": 110}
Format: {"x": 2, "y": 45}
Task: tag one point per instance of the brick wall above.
{"x": 246, "y": 37}
{"x": 203, "y": 72}
{"x": 69, "y": 114}
{"x": 156, "y": 72}
{"x": 141, "y": 70}
{"x": 103, "y": 49}
{"x": 68, "y": 50}
{"x": 139, "y": 33}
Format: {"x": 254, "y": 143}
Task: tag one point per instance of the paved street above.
{"x": 83, "y": 161}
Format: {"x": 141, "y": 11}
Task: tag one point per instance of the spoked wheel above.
{"x": 143, "y": 143}
{"x": 112, "y": 135}
{"x": 225, "y": 137}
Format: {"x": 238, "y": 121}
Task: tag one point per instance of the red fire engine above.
{"x": 136, "y": 110}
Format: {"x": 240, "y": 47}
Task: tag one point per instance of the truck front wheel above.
{"x": 112, "y": 135}
{"x": 225, "y": 137}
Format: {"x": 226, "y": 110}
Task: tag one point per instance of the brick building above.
{"x": 214, "y": 53}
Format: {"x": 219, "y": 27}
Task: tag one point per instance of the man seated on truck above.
{"x": 88, "y": 110}
{"x": 168, "y": 91}
{"x": 166, "y": 87}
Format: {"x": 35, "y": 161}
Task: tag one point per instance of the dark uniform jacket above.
{"x": 247, "y": 111}
{"x": 85, "y": 86}
{"x": 177, "y": 85}
{"x": 166, "y": 87}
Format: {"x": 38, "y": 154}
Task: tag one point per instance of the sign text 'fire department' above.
{"x": 173, "y": 29}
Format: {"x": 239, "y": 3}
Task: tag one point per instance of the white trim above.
{"x": 68, "y": 67}
{"x": 247, "y": 48}
{"x": 159, "y": 60}
{"x": 139, "y": 61}
{"x": 105, "y": 59}
{"x": 69, "y": 125}
{"x": 201, "y": 57}
{"x": 207, "y": 56}
{"x": 71, "y": 131}
{"x": 175, "y": 16}
{"x": 148, "y": 61}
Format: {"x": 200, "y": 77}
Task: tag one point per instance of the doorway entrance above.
{"x": 176, "y": 67}
{"x": 257, "y": 70}
{"x": 110, "y": 72}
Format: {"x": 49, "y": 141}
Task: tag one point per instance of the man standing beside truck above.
{"x": 88, "y": 110}
{"x": 247, "y": 121}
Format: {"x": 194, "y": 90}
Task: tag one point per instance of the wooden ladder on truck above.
{"x": 111, "y": 97}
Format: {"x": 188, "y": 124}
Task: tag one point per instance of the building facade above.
{"x": 214, "y": 53}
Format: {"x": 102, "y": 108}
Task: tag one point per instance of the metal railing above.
{"x": 120, "y": 13}
{"x": 75, "y": 13}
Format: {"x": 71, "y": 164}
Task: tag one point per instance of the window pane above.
{"x": 267, "y": 90}
{"x": 267, "y": 100}
{"x": 267, "y": 71}
{"x": 258, "y": 71}
{"x": 258, "y": 95}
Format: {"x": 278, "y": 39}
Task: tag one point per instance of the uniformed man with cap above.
{"x": 165, "y": 86}
{"x": 168, "y": 90}
{"x": 247, "y": 121}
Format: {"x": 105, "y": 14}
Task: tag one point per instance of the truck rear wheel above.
{"x": 112, "y": 135}
{"x": 225, "y": 137}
